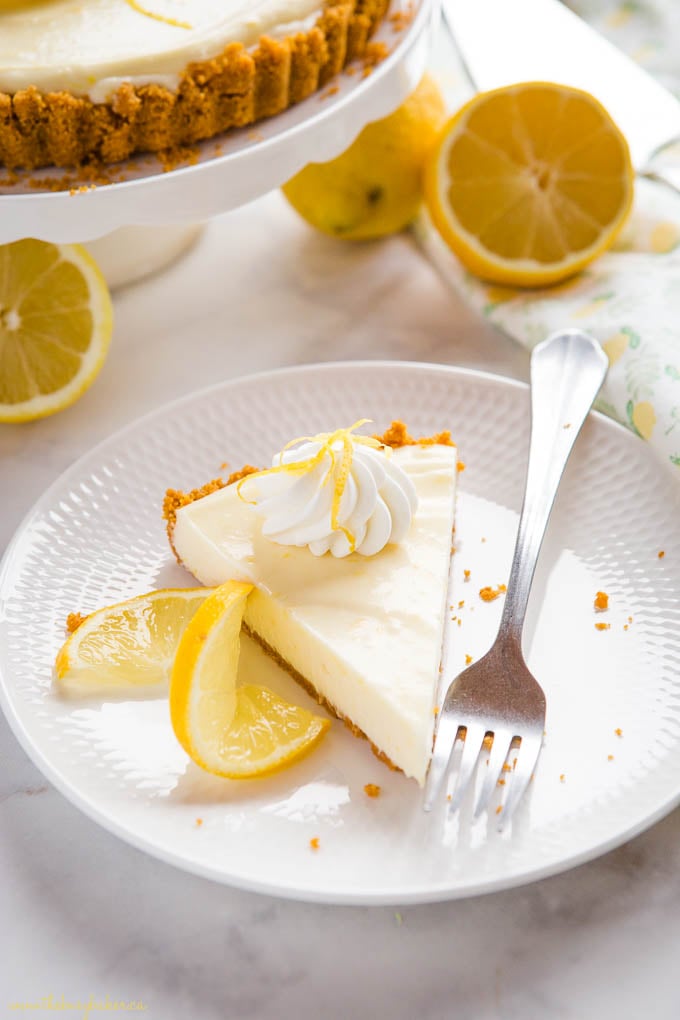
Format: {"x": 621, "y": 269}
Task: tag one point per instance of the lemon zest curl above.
{"x": 136, "y": 6}
{"x": 327, "y": 440}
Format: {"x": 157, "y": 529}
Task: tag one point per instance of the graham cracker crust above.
{"x": 324, "y": 702}
{"x": 236, "y": 88}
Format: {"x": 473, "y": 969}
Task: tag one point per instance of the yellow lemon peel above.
{"x": 136, "y": 6}
{"x": 327, "y": 440}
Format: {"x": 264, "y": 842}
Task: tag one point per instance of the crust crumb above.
{"x": 398, "y": 435}
{"x": 374, "y": 53}
{"x": 174, "y": 499}
{"x": 73, "y": 621}
{"x": 402, "y": 19}
{"x": 372, "y": 790}
{"x": 601, "y": 602}
{"x": 176, "y": 156}
{"x": 314, "y": 843}
{"x": 243, "y": 472}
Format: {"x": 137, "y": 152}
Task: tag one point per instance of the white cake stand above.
{"x": 231, "y": 170}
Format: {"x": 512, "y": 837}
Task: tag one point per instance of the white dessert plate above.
{"x": 232, "y": 169}
{"x": 97, "y": 536}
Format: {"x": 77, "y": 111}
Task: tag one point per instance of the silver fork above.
{"x": 498, "y": 697}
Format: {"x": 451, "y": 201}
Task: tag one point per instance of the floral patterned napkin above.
{"x": 629, "y": 298}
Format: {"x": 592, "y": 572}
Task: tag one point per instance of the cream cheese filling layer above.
{"x": 365, "y": 631}
{"x": 90, "y": 47}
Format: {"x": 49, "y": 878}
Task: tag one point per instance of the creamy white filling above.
{"x": 89, "y": 47}
{"x": 365, "y": 631}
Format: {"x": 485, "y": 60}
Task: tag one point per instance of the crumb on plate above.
{"x": 73, "y": 621}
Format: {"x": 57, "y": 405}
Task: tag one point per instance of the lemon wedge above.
{"x": 529, "y": 183}
{"x": 128, "y": 645}
{"x": 236, "y": 732}
{"x": 56, "y": 322}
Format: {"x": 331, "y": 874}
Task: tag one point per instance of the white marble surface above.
{"x": 85, "y": 915}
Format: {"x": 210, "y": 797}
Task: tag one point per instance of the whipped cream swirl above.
{"x": 335, "y": 492}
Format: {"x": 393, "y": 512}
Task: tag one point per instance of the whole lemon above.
{"x": 375, "y": 187}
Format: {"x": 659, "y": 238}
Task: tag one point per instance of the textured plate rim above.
{"x": 316, "y": 894}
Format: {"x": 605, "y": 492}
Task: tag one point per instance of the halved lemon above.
{"x": 56, "y": 322}
{"x": 529, "y": 183}
{"x": 237, "y": 732}
{"x": 128, "y": 645}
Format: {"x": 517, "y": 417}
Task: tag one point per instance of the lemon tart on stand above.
{"x": 102, "y": 80}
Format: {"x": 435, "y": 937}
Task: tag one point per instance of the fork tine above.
{"x": 527, "y": 756}
{"x": 447, "y": 731}
{"x": 497, "y": 755}
{"x": 473, "y": 745}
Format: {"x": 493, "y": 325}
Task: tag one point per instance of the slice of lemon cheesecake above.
{"x": 347, "y": 540}
{"x": 97, "y": 81}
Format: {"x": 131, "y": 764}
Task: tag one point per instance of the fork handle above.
{"x": 567, "y": 371}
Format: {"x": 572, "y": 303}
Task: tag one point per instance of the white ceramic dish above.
{"x": 96, "y": 536}
{"x": 236, "y": 167}
{"x": 131, "y": 254}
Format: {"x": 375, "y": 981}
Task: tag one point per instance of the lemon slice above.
{"x": 237, "y": 732}
{"x": 266, "y": 734}
{"x": 129, "y": 645}
{"x": 55, "y": 327}
{"x": 529, "y": 183}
